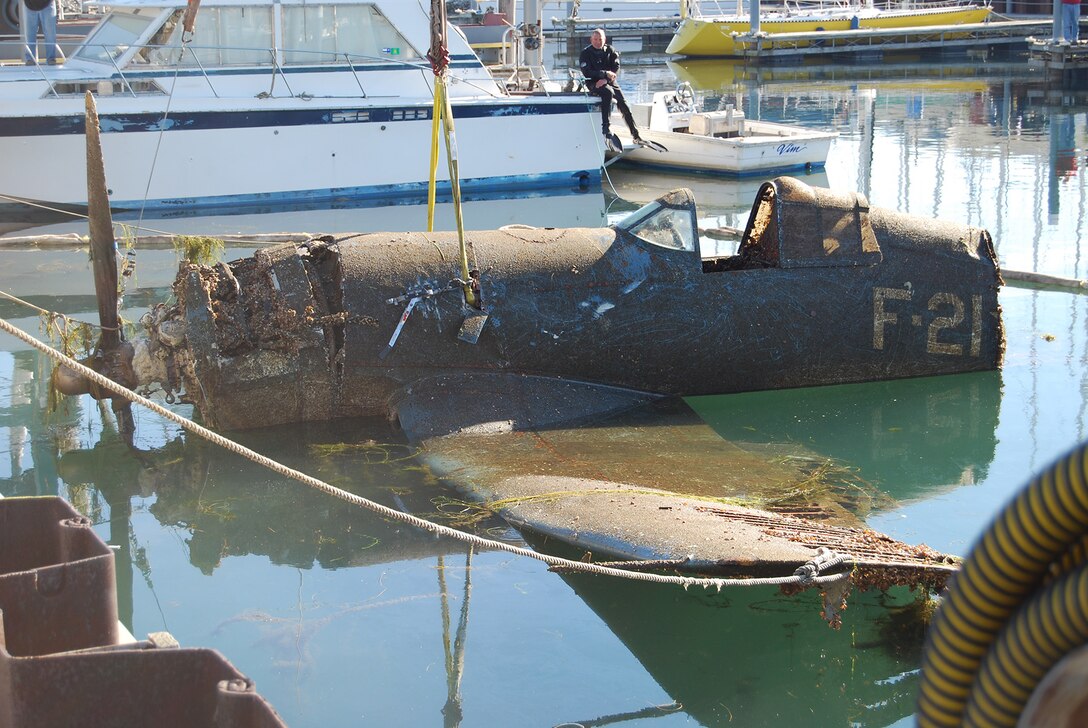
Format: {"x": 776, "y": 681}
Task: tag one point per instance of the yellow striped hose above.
{"x": 999, "y": 630}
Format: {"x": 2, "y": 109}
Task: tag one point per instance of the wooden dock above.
{"x": 1059, "y": 57}
{"x": 767, "y": 47}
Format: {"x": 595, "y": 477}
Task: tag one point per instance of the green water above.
{"x": 338, "y": 616}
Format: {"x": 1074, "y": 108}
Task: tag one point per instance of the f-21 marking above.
{"x": 888, "y": 311}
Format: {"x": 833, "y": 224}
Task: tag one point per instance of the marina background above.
{"x": 342, "y": 619}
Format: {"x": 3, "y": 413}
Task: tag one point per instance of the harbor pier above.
{"x": 874, "y": 42}
{"x": 1059, "y": 58}
{"x": 571, "y": 34}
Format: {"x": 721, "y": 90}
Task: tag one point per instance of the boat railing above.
{"x": 516, "y": 71}
{"x": 143, "y": 73}
{"x": 190, "y": 57}
{"x": 717, "y": 8}
{"x": 513, "y": 70}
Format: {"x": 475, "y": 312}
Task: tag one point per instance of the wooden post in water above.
{"x": 104, "y": 265}
{"x": 100, "y": 224}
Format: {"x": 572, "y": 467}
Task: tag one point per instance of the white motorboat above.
{"x": 611, "y": 10}
{"x": 497, "y": 30}
{"x": 282, "y": 101}
{"x": 559, "y": 11}
{"x": 679, "y": 137}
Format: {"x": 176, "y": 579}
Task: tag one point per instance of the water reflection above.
{"x": 714, "y": 195}
{"x": 575, "y": 207}
{"x": 910, "y": 438}
{"x": 752, "y": 656}
{"x": 756, "y": 658}
{"x": 820, "y": 75}
{"x": 231, "y": 507}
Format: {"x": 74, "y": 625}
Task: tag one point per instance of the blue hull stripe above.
{"x": 204, "y": 120}
{"x": 408, "y": 193}
{"x": 728, "y": 174}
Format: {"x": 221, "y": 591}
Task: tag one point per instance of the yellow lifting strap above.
{"x": 436, "y": 129}
{"x": 442, "y": 114}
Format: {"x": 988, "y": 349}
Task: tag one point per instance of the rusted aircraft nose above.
{"x": 115, "y": 364}
{"x": 68, "y": 383}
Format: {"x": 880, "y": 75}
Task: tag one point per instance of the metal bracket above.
{"x": 472, "y": 326}
{"x": 413, "y": 297}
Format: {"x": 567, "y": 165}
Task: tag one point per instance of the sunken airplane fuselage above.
{"x": 823, "y": 290}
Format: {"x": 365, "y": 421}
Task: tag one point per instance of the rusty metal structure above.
{"x": 63, "y": 660}
{"x": 56, "y": 579}
{"x": 576, "y": 322}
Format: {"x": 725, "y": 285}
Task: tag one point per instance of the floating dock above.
{"x": 1059, "y": 57}
{"x": 867, "y": 42}
{"x": 870, "y": 42}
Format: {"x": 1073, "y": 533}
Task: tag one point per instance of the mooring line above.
{"x": 804, "y": 574}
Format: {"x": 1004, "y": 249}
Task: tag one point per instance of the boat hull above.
{"x": 771, "y": 148}
{"x": 290, "y": 151}
{"x": 713, "y": 36}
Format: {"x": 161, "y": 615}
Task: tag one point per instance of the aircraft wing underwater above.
{"x": 558, "y": 330}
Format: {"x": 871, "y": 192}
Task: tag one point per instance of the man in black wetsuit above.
{"x": 600, "y": 63}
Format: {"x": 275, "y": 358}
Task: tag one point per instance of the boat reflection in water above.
{"x": 721, "y": 203}
{"x": 713, "y": 195}
{"x": 571, "y": 207}
{"x": 902, "y": 69}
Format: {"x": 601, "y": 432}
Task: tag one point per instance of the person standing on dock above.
{"x": 43, "y": 14}
{"x": 1071, "y": 20}
{"x": 600, "y": 64}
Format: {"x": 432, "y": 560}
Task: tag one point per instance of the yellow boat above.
{"x": 713, "y": 35}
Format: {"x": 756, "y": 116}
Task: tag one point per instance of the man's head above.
{"x": 597, "y": 39}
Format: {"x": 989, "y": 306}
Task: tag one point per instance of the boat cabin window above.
{"x": 663, "y": 225}
{"x": 224, "y": 36}
{"x": 160, "y": 49}
{"x": 116, "y": 34}
{"x": 328, "y": 33}
{"x": 312, "y": 34}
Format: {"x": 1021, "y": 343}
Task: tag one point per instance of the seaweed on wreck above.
{"x": 902, "y": 629}
{"x": 199, "y": 249}
{"x": 824, "y": 485}
{"x": 370, "y": 451}
{"x": 249, "y": 311}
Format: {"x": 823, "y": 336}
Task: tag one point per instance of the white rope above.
{"x": 395, "y": 515}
